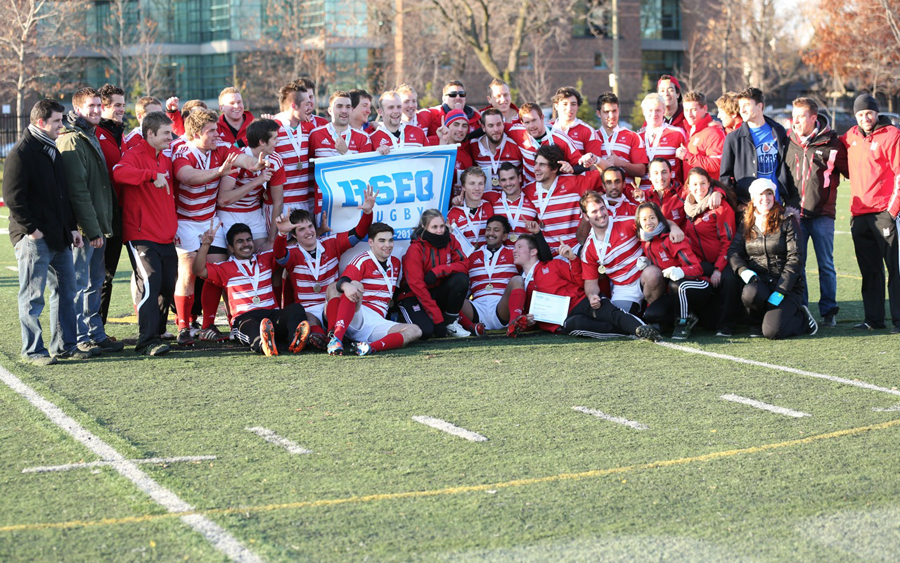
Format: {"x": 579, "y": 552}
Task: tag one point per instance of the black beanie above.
{"x": 864, "y": 102}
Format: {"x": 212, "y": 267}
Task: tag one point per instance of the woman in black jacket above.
{"x": 765, "y": 257}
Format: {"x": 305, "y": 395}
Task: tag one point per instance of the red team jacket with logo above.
{"x": 225, "y": 134}
{"x": 421, "y": 258}
{"x": 874, "y": 169}
{"x": 236, "y": 277}
{"x": 710, "y": 234}
{"x": 557, "y": 277}
{"x": 430, "y": 119}
{"x": 704, "y": 149}
{"x": 148, "y": 213}
{"x": 663, "y": 253}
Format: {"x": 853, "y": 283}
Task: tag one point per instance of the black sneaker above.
{"x": 828, "y": 321}
{"x": 725, "y": 332}
{"x": 184, "y": 337}
{"x": 683, "y": 327}
{"x": 896, "y": 329}
{"x": 647, "y": 332}
{"x": 756, "y": 331}
{"x": 109, "y": 345}
{"x": 158, "y": 349}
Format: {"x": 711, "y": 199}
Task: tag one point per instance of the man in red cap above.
{"x": 454, "y": 98}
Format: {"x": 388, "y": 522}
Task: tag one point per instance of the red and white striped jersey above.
{"x": 463, "y": 161}
{"x": 517, "y": 212}
{"x": 492, "y": 269}
{"x": 664, "y": 144}
{"x": 409, "y": 136}
{"x": 620, "y": 249}
{"x": 174, "y": 145}
{"x": 580, "y": 133}
{"x": 379, "y": 283}
{"x": 621, "y": 142}
{"x": 244, "y": 280}
{"x": 318, "y": 121}
{"x": 471, "y": 225}
{"x": 292, "y": 146}
{"x": 622, "y": 210}
{"x": 252, "y": 201}
{"x": 557, "y": 205}
{"x": 508, "y": 151}
{"x": 132, "y": 138}
{"x": 307, "y": 272}
{"x": 198, "y": 203}
{"x": 528, "y": 146}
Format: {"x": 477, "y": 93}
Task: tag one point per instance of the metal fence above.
{"x": 9, "y": 133}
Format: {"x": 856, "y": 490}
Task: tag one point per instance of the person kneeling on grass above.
{"x": 675, "y": 263}
{"x": 247, "y": 277}
{"x": 593, "y": 316}
{"x": 765, "y": 256}
{"x": 368, "y": 284}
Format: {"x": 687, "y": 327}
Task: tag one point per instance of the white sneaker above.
{"x": 456, "y": 330}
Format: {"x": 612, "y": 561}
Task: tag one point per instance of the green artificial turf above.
{"x": 549, "y": 484}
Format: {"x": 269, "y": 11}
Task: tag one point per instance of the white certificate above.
{"x": 549, "y": 308}
{"x": 464, "y": 243}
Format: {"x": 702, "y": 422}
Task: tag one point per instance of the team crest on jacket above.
{"x": 706, "y": 218}
{"x": 662, "y": 255}
{"x": 545, "y": 270}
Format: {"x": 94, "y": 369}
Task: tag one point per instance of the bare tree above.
{"x": 37, "y": 38}
{"x": 146, "y": 61}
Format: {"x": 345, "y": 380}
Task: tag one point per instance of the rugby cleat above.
{"x": 185, "y": 338}
{"x": 335, "y": 347}
{"x": 517, "y": 327}
{"x": 267, "y": 338}
{"x": 479, "y": 329}
{"x": 362, "y": 348}
{"x": 301, "y": 335}
{"x": 212, "y": 334}
{"x": 647, "y": 332}
{"x": 318, "y": 340}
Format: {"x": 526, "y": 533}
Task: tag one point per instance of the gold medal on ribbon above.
{"x": 316, "y": 287}
{"x": 601, "y": 269}
{"x": 495, "y": 181}
{"x": 489, "y": 287}
{"x": 256, "y": 300}
{"x": 514, "y": 237}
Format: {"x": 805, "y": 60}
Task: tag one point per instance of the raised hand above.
{"x": 172, "y": 103}
{"x": 368, "y": 199}
{"x": 323, "y": 228}
{"x": 341, "y": 145}
{"x": 533, "y": 227}
{"x": 209, "y": 236}
{"x": 225, "y": 168}
{"x": 565, "y": 168}
{"x": 566, "y": 251}
{"x": 283, "y": 223}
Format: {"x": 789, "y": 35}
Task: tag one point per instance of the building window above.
{"x": 600, "y": 62}
{"x": 660, "y": 19}
{"x": 592, "y": 19}
{"x": 656, "y": 63}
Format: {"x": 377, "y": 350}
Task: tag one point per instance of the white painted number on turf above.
{"x": 764, "y": 406}
{"x": 445, "y": 426}
{"x": 616, "y": 419}
{"x": 274, "y": 438}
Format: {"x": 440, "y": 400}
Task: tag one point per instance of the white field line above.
{"x": 12, "y": 268}
{"x": 853, "y": 382}
{"x": 102, "y": 463}
{"x": 445, "y": 426}
{"x": 274, "y": 438}
{"x": 214, "y": 534}
{"x": 616, "y": 419}
{"x": 764, "y": 406}
{"x": 894, "y": 408}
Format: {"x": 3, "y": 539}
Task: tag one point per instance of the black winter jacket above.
{"x": 739, "y": 164}
{"x": 816, "y": 168}
{"x": 774, "y": 257}
{"x": 35, "y": 190}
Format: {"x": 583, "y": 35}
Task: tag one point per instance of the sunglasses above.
{"x": 457, "y": 93}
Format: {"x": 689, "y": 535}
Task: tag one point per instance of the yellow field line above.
{"x": 452, "y": 490}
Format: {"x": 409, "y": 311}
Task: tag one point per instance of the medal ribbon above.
{"x": 313, "y": 265}
{"x": 490, "y": 265}
{"x": 608, "y": 141}
{"x": 387, "y": 279}
{"x": 601, "y": 257}
{"x": 513, "y": 219}
{"x": 254, "y": 279}
{"x": 543, "y": 202}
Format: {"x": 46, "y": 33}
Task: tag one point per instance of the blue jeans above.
{"x": 38, "y": 264}
{"x": 90, "y": 271}
{"x": 821, "y": 229}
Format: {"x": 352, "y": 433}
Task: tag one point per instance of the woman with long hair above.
{"x": 435, "y": 280}
{"x": 765, "y": 257}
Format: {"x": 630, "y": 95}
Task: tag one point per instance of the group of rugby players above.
{"x": 632, "y": 228}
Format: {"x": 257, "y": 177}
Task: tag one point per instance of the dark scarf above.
{"x": 437, "y": 241}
